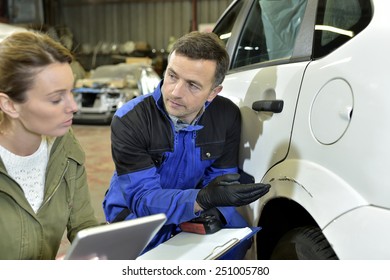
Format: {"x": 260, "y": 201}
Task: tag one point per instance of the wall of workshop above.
{"x": 118, "y": 22}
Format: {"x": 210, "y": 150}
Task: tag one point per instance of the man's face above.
{"x": 188, "y": 84}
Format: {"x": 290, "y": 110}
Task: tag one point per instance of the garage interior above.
{"x": 305, "y": 98}
{"x": 106, "y": 32}
{"x": 103, "y": 32}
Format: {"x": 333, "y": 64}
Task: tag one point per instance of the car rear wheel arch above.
{"x": 303, "y": 243}
{"x": 284, "y": 221}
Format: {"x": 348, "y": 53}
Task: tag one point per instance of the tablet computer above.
{"x": 123, "y": 240}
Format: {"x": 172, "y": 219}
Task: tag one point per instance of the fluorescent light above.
{"x": 225, "y": 36}
{"x": 335, "y": 30}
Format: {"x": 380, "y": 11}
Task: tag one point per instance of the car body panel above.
{"x": 245, "y": 88}
{"x": 366, "y": 233}
{"x": 361, "y": 152}
{"x": 7, "y": 29}
{"x": 327, "y": 150}
{"x": 310, "y": 184}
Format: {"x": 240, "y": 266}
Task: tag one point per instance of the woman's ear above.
{"x": 8, "y": 106}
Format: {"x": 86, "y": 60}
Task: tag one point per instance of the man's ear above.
{"x": 214, "y": 93}
{"x": 8, "y": 106}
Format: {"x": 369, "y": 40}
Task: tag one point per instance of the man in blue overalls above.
{"x": 176, "y": 150}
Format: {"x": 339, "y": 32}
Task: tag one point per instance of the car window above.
{"x": 339, "y": 21}
{"x": 224, "y": 30}
{"x": 270, "y": 31}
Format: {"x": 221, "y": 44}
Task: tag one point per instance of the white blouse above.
{"x": 29, "y": 172}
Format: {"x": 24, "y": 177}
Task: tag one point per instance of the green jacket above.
{"x": 25, "y": 234}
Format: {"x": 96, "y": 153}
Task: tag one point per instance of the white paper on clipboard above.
{"x": 192, "y": 246}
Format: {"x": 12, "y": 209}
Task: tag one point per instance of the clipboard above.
{"x": 192, "y": 246}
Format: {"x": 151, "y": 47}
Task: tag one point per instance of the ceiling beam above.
{"x": 95, "y": 2}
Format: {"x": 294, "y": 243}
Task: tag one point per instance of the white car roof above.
{"x": 7, "y": 29}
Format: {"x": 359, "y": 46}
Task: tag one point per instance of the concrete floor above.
{"x": 95, "y": 139}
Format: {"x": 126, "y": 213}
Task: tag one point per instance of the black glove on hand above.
{"x": 225, "y": 190}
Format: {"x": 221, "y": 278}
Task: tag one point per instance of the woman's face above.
{"x": 50, "y": 105}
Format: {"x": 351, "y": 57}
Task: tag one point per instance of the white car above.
{"x": 8, "y": 29}
{"x": 109, "y": 87}
{"x": 312, "y": 80}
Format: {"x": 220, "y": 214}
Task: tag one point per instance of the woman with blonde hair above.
{"x": 43, "y": 182}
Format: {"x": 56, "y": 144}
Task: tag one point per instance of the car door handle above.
{"x": 274, "y": 106}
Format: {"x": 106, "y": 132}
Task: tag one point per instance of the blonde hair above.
{"x": 22, "y": 56}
